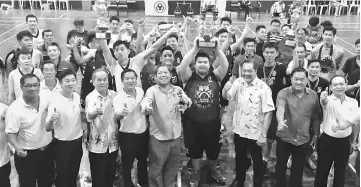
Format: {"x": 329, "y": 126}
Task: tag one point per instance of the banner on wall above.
{"x": 156, "y": 7}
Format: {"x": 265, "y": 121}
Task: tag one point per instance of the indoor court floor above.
{"x": 61, "y": 21}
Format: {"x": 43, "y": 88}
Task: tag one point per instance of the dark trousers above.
{"x": 134, "y": 146}
{"x": 68, "y": 155}
{"x": 283, "y": 152}
{"x": 5, "y": 174}
{"x": 102, "y": 168}
{"x": 35, "y": 168}
{"x": 242, "y": 161}
{"x": 336, "y": 151}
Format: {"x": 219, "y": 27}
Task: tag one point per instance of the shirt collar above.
{"x": 333, "y": 97}
{"x": 137, "y": 93}
{"x": 253, "y": 83}
{"x": 98, "y": 95}
{"x": 170, "y": 89}
{"x": 43, "y": 86}
{"x": 307, "y": 90}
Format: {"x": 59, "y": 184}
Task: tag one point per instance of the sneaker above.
{"x": 194, "y": 179}
{"x": 215, "y": 176}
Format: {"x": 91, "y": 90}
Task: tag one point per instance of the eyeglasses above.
{"x": 31, "y": 85}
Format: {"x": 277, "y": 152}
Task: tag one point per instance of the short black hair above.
{"x": 159, "y": 66}
{"x": 344, "y": 78}
{"x": 99, "y": 70}
{"x": 326, "y": 23}
{"x": 226, "y": 19}
{"x": 286, "y": 25}
{"x": 220, "y": 31}
{"x": 166, "y": 48}
{"x": 56, "y": 45}
{"x": 28, "y": 76}
{"x": 330, "y": 28}
{"x": 301, "y": 45}
{"x": 30, "y": 16}
{"x": 314, "y": 21}
{"x": 270, "y": 45}
{"x": 127, "y": 71}
{"x": 313, "y": 61}
{"x": 23, "y": 52}
{"x": 173, "y": 36}
{"x": 299, "y": 69}
{"x": 45, "y": 31}
{"x": 249, "y": 61}
{"x": 65, "y": 73}
{"x": 276, "y": 21}
{"x": 304, "y": 29}
{"x": 162, "y": 23}
{"x": 259, "y": 27}
{"x": 114, "y": 18}
{"x": 91, "y": 36}
{"x": 202, "y": 54}
{"x": 20, "y": 35}
{"x": 247, "y": 40}
{"x": 120, "y": 42}
{"x": 48, "y": 62}
{"x": 78, "y": 21}
{"x": 357, "y": 41}
{"x": 128, "y": 21}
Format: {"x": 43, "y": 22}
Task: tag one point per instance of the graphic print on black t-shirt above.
{"x": 205, "y": 96}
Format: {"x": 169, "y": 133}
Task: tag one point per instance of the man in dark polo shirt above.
{"x": 351, "y": 70}
{"x": 298, "y": 108}
{"x": 249, "y": 46}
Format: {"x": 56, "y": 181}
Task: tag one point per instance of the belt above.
{"x": 39, "y": 149}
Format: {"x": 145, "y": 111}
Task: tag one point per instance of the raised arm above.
{"x": 159, "y": 43}
{"x": 222, "y": 69}
{"x": 184, "y": 69}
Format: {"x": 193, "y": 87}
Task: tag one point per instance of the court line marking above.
{"x": 349, "y": 30}
{"x": 345, "y": 41}
{"x": 17, "y": 33}
{"x": 61, "y": 16}
{"x": 352, "y": 168}
{"x": 346, "y": 49}
{"x": 12, "y": 29}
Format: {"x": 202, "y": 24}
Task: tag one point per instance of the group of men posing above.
{"x": 139, "y": 90}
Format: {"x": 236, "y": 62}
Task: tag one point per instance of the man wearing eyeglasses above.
{"x": 25, "y": 129}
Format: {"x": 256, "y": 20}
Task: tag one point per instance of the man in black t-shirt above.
{"x": 274, "y": 75}
{"x": 351, "y": 70}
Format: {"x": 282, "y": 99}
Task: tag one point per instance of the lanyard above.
{"x": 314, "y": 88}
{"x": 268, "y": 79}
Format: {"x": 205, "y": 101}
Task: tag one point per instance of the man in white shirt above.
{"x": 253, "y": 116}
{"x": 102, "y": 132}
{"x": 25, "y": 129}
{"x": 64, "y": 119}
{"x": 132, "y": 128}
{"x": 5, "y": 166}
{"x": 25, "y": 67}
{"x": 334, "y": 147}
{"x": 50, "y": 84}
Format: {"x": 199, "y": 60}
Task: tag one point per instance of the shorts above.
{"x": 203, "y": 137}
{"x": 272, "y": 130}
